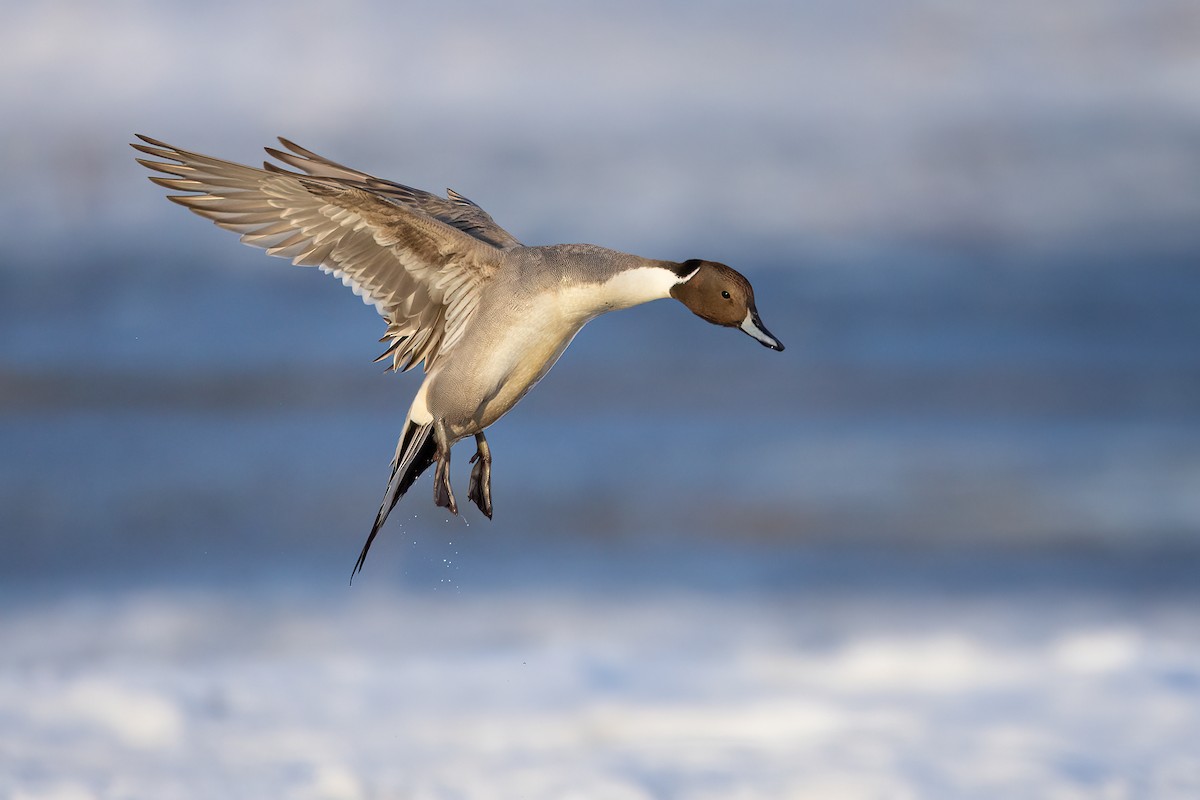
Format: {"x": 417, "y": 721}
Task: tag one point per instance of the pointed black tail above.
{"x": 413, "y": 456}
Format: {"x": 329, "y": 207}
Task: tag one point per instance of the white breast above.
{"x": 508, "y": 354}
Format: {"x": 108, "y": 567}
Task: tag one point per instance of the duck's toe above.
{"x": 443, "y": 495}
{"x": 480, "y": 490}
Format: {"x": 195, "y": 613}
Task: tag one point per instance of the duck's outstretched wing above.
{"x": 423, "y": 274}
{"x": 454, "y": 209}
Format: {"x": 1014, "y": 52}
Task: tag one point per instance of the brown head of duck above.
{"x": 722, "y": 295}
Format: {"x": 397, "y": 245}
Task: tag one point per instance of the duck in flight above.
{"x": 486, "y": 315}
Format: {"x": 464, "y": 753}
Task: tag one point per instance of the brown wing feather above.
{"x": 423, "y": 274}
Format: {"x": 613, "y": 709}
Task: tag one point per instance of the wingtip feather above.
{"x": 295, "y": 148}
{"x": 149, "y": 140}
{"x": 158, "y": 152}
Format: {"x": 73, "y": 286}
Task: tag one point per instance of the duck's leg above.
{"x": 443, "y": 495}
{"x": 480, "y": 491}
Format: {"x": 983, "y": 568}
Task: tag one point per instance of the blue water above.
{"x": 153, "y": 410}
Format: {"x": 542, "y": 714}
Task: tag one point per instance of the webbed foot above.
{"x": 480, "y": 490}
{"x": 443, "y": 495}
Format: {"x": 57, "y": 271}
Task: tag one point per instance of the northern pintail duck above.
{"x": 487, "y": 315}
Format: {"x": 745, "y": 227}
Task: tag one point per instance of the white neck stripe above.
{"x": 627, "y": 288}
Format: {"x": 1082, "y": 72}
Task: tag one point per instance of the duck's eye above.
{"x": 725, "y": 295}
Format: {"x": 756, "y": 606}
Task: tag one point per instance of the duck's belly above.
{"x": 493, "y": 374}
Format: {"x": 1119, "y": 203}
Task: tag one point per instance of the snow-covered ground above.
{"x": 861, "y": 690}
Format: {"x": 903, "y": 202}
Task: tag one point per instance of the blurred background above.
{"x": 946, "y": 545}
